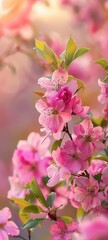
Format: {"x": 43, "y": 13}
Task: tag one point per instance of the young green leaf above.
{"x": 37, "y": 192}
{"x": 80, "y": 52}
{"x": 50, "y": 199}
{"x": 21, "y": 202}
{"x": 67, "y": 219}
{"x": 32, "y": 209}
{"x": 32, "y": 223}
{"x": 56, "y": 144}
{"x": 47, "y": 53}
{"x": 103, "y": 62}
{"x": 80, "y": 213}
{"x": 70, "y": 50}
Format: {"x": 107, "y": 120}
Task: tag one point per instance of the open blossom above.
{"x": 61, "y": 231}
{"x": 56, "y": 82}
{"x": 94, "y": 229}
{"x": 56, "y": 172}
{"x": 16, "y": 188}
{"x": 88, "y": 138}
{"x": 30, "y": 159}
{"x": 7, "y": 227}
{"x": 96, "y": 167}
{"x": 77, "y": 108}
{"x": 103, "y": 97}
{"x": 53, "y": 115}
{"x": 71, "y": 158}
{"x": 86, "y": 192}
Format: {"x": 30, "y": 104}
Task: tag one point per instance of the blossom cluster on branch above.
{"x": 68, "y": 164}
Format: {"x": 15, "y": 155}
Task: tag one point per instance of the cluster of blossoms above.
{"x": 75, "y": 171}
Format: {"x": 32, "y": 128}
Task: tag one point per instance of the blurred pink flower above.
{"x": 94, "y": 229}
{"x": 14, "y": 14}
{"x": 7, "y": 227}
{"x": 30, "y": 159}
{"x": 103, "y": 97}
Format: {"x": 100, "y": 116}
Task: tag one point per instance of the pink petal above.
{"x": 45, "y": 83}
{"x": 11, "y": 228}
{"x": 3, "y": 235}
{"x": 5, "y": 214}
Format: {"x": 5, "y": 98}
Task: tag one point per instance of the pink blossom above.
{"x": 71, "y": 158}
{"x": 58, "y": 80}
{"x": 7, "y": 227}
{"x": 86, "y": 192}
{"x": 61, "y": 231}
{"x": 53, "y": 115}
{"x": 96, "y": 167}
{"x": 94, "y": 229}
{"x": 77, "y": 108}
{"x": 56, "y": 172}
{"x": 88, "y": 138}
{"x": 16, "y": 188}
{"x": 103, "y": 97}
{"x": 31, "y": 159}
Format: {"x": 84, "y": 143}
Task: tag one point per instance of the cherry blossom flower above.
{"x": 86, "y": 192}
{"x": 88, "y": 138}
{"x": 77, "y": 108}
{"x": 16, "y": 188}
{"x": 56, "y": 82}
{"x": 71, "y": 158}
{"x": 30, "y": 159}
{"x": 7, "y": 227}
{"x": 56, "y": 172}
{"x": 96, "y": 167}
{"x": 53, "y": 115}
{"x": 61, "y": 231}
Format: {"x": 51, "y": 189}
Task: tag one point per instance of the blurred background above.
{"x": 21, "y": 21}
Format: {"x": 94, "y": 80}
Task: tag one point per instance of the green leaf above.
{"x": 32, "y": 223}
{"x": 50, "y": 199}
{"x": 47, "y": 53}
{"x": 67, "y": 219}
{"x": 103, "y": 62}
{"x": 80, "y": 213}
{"x": 24, "y": 216}
{"x": 32, "y": 209}
{"x": 80, "y": 52}
{"x": 21, "y": 202}
{"x": 56, "y": 144}
{"x": 70, "y": 50}
{"x": 105, "y": 80}
{"x": 37, "y": 192}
